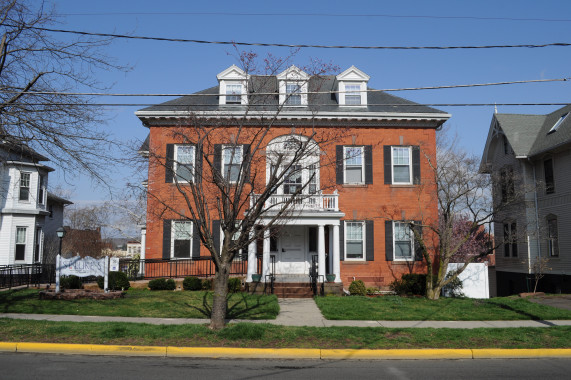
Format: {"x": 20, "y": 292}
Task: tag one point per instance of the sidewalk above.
{"x": 297, "y": 312}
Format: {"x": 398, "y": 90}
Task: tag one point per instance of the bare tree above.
{"x": 466, "y": 211}
{"x": 235, "y": 183}
{"x": 36, "y": 70}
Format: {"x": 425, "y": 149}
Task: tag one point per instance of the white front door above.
{"x": 292, "y": 258}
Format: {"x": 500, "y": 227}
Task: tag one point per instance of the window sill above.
{"x": 403, "y": 262}
{"x": 355, "y": 185}
{"x": 403, "y": 185}
{"x": 353, "y": 261}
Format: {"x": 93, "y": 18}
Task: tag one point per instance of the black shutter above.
{"x": 342, "y": 240}
{"x": 368, "y": 164}
{"x": 246, "y": 161}
{"x": 389, "y": 240}
{"x": 416, "y": 164}
{"x": 169, "y": 164}
{"x": 339, "y": 164}
{"x": 167, "y": 223}
{"x": 417, "y": 249}
{"x": 198, "y": 165}
{"x": 217, "y": 164}
{"x": 370, "y": 239}
{"x": 216, "y": 235}
{"x": 388, "y": 164}
{"x": 195, "y": 240}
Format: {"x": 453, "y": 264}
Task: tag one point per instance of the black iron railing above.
{"x": 26, "y": 275}
{"x": 314, "y": 277}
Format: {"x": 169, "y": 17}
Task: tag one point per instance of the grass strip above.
{"x": 272, "y": 336}
{"x": 143, "y": 303}
{"x": 394, "y": 308}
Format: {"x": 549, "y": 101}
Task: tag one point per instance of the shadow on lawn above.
{"x": 245, "y": 306}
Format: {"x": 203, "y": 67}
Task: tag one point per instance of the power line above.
{"x": 275, "y": 105}
{"x": 312, "y": 15}
{"x": 184, "y": 40}
{"x": 11, "y": 91}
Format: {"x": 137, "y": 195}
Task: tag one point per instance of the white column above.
{"x": 266, "y": 253}
{"x": 321, "y": 251}
{"x": 335, "y": 254}
{"x": 252, "y": 261}
{"x": 143, "y": 251}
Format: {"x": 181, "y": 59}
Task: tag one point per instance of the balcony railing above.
{"x": 313, "y": 202}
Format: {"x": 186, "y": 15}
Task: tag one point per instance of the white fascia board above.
{"x": 353, "y": 74}
{"x": 30, "y": 164}
{"x": 298, "y": 114}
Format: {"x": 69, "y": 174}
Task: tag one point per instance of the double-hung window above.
{"x": 401, "y": 165}
{"x": 312, "y": 172}
{"x": 354, "y": 172}
{"x": 510, "y": 240}
{"x": 184, "y": 156}
{"x": 552, "y": 237}
{"x": 354, "y": 240}
{"x": 181, "y": 239}
{"x": 231, "y": 162}
{"x": 233, "y": 94}
{"x": 549, "y": 178}
{"x": 403, "y": 240}
{"x": 293, "y": 179}
{"x": 25, "y": 186}
{"x": 20, "y": 254}
{"x": 352, "y": 94}
{"x": 42, "y": 190}
{"x": 293, "y": 94}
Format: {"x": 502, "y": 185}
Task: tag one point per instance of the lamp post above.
{"x": 60, "y": 234}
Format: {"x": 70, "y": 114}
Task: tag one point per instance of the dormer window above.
{"x": 558, "y": 123}
{"x": 293, "y": 85}
{"x": 233, "y": 84}
{"x": 352, "y": 87}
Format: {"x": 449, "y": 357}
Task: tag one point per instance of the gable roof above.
{"x": 17, "y": 150}
{"x": 263, "y": 97}
{"x": 529, "y": 135}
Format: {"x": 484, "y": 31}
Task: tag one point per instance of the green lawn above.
{"x": 143, "y": 303}
{"x": 266, "y": 336}
{"x": 394, "y": 308}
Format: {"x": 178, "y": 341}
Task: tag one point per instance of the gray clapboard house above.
{"x": 531, "y": 154}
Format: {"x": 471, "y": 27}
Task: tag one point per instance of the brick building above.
{"x": 366, "y": 175}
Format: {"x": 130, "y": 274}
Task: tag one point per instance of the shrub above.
{"x": 207, "y": 284}
{"x": 162, "y": 284}
{"x": 357, "y": 288}
{"x": 453, "y": 288}
{"x": 234, "y": 284}
{"x": 70, "y": 282}
{"x": 192, "y": 283}
{"x": 371, "y": 291}
{"x": 410, "y": 284}
{"x": 116, "y": 281}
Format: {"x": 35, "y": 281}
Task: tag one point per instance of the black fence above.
{"x": 26, "y": 275}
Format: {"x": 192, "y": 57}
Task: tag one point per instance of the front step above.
{"x": 293, "y": 290}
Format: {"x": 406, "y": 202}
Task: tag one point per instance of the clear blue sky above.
{"x": 169, "y": 67}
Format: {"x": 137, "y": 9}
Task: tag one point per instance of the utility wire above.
{"x": 16, "y": 91}
{"x": 253, "y": 107}
{"x": 148, "y": 38}
{"x": 311, "y": 15}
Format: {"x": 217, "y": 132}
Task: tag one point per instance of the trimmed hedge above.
{"x": 162, "y": 284}
{"x": 70, "y": 282}
{"x": 410, "y": 284}
{"x": 116, "y": 281}
{"x": 234, "y": 284}
{"x": 192, "y": 283}
{"x": 357, "y": 288}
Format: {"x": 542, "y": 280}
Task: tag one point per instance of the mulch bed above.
{"x": 73, "y": 294}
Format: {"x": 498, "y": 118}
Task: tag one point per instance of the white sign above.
{"x": 114, "y": 264}
{"x": 76, "y": 266}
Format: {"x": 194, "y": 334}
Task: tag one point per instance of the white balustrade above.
{"x": 316, "y": 202}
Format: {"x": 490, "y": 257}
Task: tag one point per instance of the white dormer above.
{"x": 293, "y": 84}
{"x": 233, "y": 84}
{"x": 352, "y": 87}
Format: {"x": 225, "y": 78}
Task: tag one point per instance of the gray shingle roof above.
{"x": 529, "y": 134}
{"x": 377, "y": 101}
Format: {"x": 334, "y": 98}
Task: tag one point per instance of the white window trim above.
{"x": 284, "y": 95}
{"x": 243, "y": 93}
{"x": 173, "y": 239}
{"x": 42, "y": 190}
{"x": 412, "y": 253}
{"x": 409, "y": 165}
{"x": 25, "y": 243}
{"x": 175, "y": 166}
{"x": 362, "y": 148}
{"x": 238, "y": 147}
{"x": 29, "y": 187}
{"x": 363, "y": 229}
{"x": 362, "y": 92}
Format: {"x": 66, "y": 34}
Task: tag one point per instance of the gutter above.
{"x": 536, "y": 213}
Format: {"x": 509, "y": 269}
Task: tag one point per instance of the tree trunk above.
{"x": 219, "y": 302}
{"x": 433, "y": 294}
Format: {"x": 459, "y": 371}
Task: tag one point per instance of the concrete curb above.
{"x": 282, "y": 353}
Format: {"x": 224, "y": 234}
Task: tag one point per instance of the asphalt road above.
{"x": 42, "y": 366}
